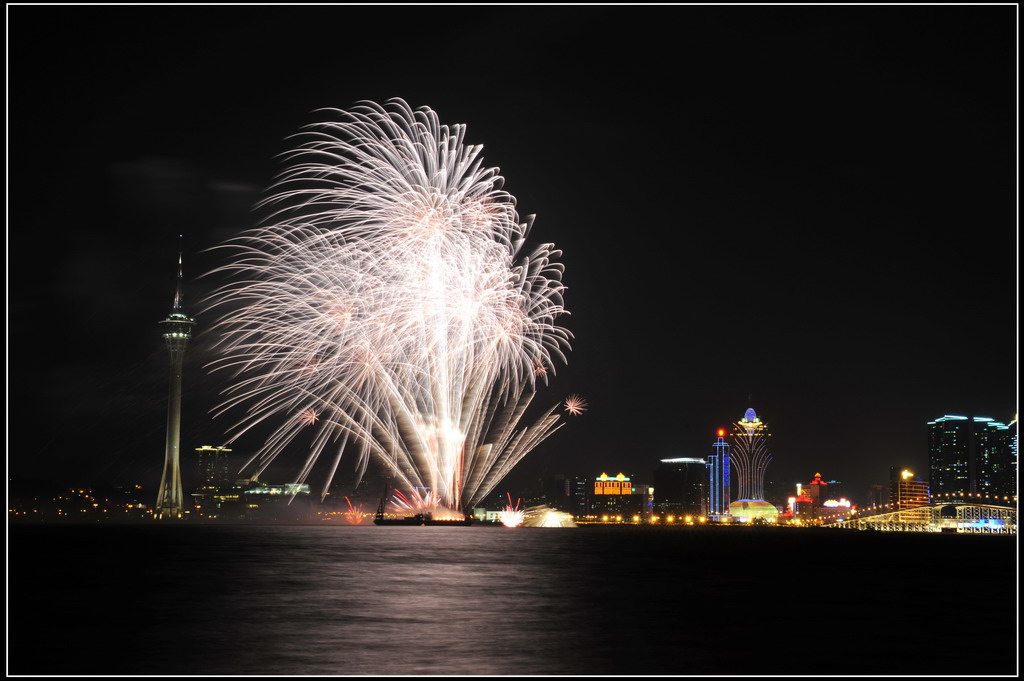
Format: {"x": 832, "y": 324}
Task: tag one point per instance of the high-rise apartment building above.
{"x": 972, "y": 455}
{"x": 579, "y": 493}
{"x": 214, "y": 468}
{"x": 996, "y": 459}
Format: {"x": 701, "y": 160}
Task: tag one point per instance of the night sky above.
{"x": 810, "y": 211}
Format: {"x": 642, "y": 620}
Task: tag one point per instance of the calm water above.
{"x": 298, "y": 600}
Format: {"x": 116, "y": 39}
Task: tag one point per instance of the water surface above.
{"x": 339, "y": 600}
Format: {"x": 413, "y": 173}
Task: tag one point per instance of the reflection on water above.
{"x": 367, "y": 600}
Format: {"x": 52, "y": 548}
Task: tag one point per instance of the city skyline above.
{"x": 829, "y": 241}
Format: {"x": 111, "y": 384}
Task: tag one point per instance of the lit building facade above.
{"x": 997, "y": 460}
{"x": 972, "y": 455}
{"x": 816, "y": 490}
{"x": 680, "y": 486}
{"x": 251, "y": 499}
{"x": 818, "y": 502}
{"x": 802, "y": 506}
{"x": 907, "y": 490}
{"x": 620, "y": 484}
{"x": 579, "y": 491}
{"x": 718, "y": 477}
{"x": 618, "y": 496}
{"x": 214, "y": 468}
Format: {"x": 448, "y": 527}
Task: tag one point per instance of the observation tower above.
{"x": 177, "y": 330}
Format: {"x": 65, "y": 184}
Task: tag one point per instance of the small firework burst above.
{"x": 575, "y": 405}
{"x": 308, "y": 416}
{"x": 511, "y": 516}
{"x": 354, "y": 514}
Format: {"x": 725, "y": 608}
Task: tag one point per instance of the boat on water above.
{"x": 418, "y": 519}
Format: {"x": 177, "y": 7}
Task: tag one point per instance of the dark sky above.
{"x": 805, "y": 210}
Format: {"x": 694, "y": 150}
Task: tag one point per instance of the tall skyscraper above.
{"x": 214, "y": 468}
{"x": 749, "y": 456}
{"x": 996, "y": 455}
{"x": 718, "y": 476}
{"x": 680, "y": 486}
{"x": 580, "y": 493}
{"x": 177, "y": 332}
{"x": 972, "y": 455}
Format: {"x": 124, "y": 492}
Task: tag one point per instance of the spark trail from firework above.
{"x": 389, "y": 305}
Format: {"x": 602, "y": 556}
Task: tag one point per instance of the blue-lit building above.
{"x": 718, "y": 476}
{"x": 972, "y": 455}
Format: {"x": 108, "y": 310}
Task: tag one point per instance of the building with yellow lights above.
{"x": 907, "y": 490}
{"x": 753, "y": 510}
{"x": 620, "y": 484}
{"x": 619, "y": 496}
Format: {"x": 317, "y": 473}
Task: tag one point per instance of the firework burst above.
{"x": 575, "y": 405}
{"x": 390, "y": 304}
{"x": 354, "y": 515}
{"x": 511, "y": 516}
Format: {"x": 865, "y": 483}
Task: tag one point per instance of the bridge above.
{"x": 941, "y": 516}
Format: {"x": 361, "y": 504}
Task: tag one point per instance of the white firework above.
{"x": 575, "y": 405}
{"x": 390, "y": 295}
{"x": 543, "y": 516}
{"x": 511, "y": 516}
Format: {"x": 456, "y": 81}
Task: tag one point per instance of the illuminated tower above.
{"x": 177, "y": 332}
{"x": 750, "y": 456}
{"x": 718, "y": 476}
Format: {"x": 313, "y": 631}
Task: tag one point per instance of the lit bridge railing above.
{"x": 958, "y": 517}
